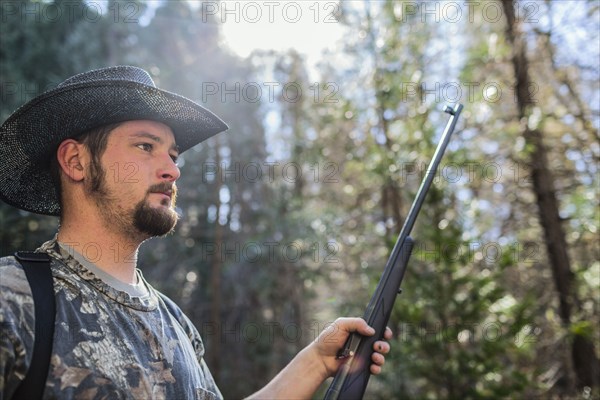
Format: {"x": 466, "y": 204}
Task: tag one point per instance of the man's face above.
{"x": 134, "y": 186}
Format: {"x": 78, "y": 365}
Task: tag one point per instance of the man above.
{"x": 100, "y": 152}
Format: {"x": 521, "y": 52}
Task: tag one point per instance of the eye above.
{"x": 174, "y": 157}
{"x": 146, "y": 146}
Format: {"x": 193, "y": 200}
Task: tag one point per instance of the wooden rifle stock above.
{"x": 353, "y": 376}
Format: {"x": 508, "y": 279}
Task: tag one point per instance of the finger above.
{"x": 355, "y": 325}
{"x": 388, "y": 334}
{"x": 375, "y": 369}
{"x": 378, "y": 359}
{"x": 381, "y": 347}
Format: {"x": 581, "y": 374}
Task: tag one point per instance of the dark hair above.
{"x": 95, "y": 140}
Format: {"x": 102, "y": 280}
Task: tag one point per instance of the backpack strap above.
{"x": 38, "y": 272}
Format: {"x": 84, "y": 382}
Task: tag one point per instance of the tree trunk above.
{"x": 585, "y": 363}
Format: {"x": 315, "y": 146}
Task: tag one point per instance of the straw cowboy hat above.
{"x": 30, "y": 136}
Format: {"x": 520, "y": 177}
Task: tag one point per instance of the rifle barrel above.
{"x": 352, "y": 377}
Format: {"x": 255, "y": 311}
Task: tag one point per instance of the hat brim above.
{"x": 30, "y": 136}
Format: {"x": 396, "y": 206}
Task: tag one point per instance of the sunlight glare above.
{"x": 307, "y": 27}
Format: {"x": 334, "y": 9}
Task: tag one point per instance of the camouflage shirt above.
{"x": 107, "y": 344}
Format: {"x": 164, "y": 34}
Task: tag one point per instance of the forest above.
{"x": 287, "y": 219}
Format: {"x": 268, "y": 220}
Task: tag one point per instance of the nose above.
{"x": 169, "y": 170}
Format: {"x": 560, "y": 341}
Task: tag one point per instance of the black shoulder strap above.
{"x": 38, "y": 272}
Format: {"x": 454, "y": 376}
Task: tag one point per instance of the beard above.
{"x": 156, "y": 221}
{"x": 141, "y": 221}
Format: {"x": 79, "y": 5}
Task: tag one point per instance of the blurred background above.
{"x": 334, "y": 110}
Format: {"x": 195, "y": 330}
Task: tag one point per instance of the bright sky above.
{"x": 307, "y": 26}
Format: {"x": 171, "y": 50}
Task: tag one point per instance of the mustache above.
{"x": 163, "y": 187}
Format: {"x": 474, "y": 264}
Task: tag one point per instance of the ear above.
{"x": 72, "y": 157}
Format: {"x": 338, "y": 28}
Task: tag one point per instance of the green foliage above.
{"x": 478, "y": 315}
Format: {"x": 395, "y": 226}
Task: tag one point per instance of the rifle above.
{"x": 353, "y": 376}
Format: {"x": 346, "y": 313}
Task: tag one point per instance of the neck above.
{"x": 113, "y": 252}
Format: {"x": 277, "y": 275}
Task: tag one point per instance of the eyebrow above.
{"x": 154, "y": 138}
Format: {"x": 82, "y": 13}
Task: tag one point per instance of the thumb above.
{"x": 355, "y": 325}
